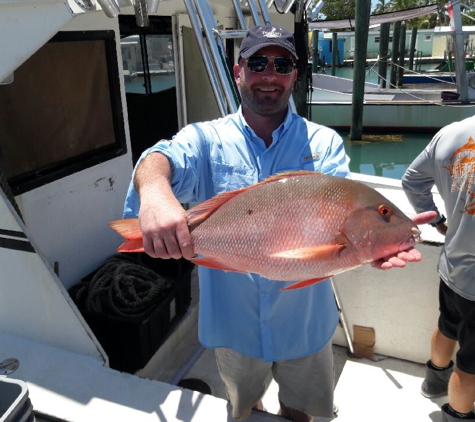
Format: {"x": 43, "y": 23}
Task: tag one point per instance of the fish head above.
{"x": 377, "y": 228}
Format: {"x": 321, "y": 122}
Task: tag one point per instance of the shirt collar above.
{"x": 284, "y": 125}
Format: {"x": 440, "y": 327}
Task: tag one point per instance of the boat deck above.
{"x": 366, "y": 391}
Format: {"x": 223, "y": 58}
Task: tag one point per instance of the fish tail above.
{"x": 130, "y": 230}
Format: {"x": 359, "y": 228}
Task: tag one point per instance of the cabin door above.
{"x": 149, "y": 78}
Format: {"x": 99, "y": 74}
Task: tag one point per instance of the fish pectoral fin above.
{"x": 305, "y": 283}
{"x": 213, "y": 263}
{"x": 312, "y": 253}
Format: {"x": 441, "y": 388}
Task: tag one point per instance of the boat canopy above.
{"x": 400, "y": 15}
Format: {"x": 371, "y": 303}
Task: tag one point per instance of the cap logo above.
{"x": 272, "y": 33}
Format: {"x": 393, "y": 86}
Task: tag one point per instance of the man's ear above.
{"x": 236, "y": 69}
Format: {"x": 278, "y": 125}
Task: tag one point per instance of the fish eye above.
{"x": 385, "y": 211}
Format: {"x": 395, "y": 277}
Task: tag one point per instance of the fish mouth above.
{"x": 414, "y": 238}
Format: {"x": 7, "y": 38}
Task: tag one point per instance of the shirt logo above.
{"x": 311, "y": 157}
{"x": 462, "y": 172}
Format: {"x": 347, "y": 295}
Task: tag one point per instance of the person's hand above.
{"x": 165, "y": 230}
{"x": 400, "y": 259}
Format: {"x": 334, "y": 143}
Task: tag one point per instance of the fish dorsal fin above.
{"x": 201, "y": 212}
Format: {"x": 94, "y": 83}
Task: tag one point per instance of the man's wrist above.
{"x": 442, "y": 220}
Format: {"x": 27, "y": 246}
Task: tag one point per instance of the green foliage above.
{"x": 383, "y": 6}
{"x": 345, "y": 9}
{"x": 338, "y": 9}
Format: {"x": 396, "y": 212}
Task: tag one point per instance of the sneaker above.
{"x": 449, "y": 418}
{"x": 436, "y": 383}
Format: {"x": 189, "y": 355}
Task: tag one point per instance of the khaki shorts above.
{"x": 305, "y": 384}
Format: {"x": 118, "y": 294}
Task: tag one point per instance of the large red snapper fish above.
{"x": 296, "y": 226}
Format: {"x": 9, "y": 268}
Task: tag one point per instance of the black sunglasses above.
{"x": 282, "y": 65}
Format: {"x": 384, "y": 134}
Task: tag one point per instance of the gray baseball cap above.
{"x": 263, "y": 36}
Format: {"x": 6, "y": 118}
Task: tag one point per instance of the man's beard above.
{"x": 264, "y": 106}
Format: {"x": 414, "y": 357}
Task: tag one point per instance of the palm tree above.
{"x": 383, "y": 6}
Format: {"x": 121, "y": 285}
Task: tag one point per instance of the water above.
{"x": 384, "y": 155}
{"x": 159, "y": 83}
{"x": 371, "y": 71}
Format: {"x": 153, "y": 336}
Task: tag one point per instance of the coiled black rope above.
{"x": 123, "y": 286}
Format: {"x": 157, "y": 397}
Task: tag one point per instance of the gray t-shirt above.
{"x": 449, "y": 163}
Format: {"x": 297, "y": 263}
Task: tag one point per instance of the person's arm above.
{"x": 162, "y": 218}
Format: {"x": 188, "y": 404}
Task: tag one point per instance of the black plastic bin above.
{"x": 131, "y": 342}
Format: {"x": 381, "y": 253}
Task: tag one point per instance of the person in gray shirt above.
{"x": 448, "y": 162}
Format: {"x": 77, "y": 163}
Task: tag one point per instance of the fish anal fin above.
{"x": 304, "y": 283}
{"x": 213, "y": 263}
{"x": 312, "y": 253}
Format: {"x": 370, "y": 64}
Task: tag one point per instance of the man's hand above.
{"x": 165, "y": 231}
{"x": 409, "y": 255}
{"x": 162, "y": 219}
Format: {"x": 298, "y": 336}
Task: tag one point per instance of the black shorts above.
{"x": 457, "y": 322}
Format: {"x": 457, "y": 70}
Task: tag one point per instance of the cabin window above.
{"x": 158, "y": 73}
{"x": 63, "y": 111}
{"x": 427, "y": 37}
{"x": 147, "y": 55}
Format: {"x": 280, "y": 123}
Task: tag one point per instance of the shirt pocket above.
{"x": 228, "y": 177}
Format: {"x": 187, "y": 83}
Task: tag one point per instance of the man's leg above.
{"x": 292, "y": 414}
{"x": 442, "y": 349}
{"x": 306, "y": 385}
{"x": 440, "y": 366}
{"x": 461, "y": 391}
{"x": 245, "y": 379}
{"x": 458, "y": 322}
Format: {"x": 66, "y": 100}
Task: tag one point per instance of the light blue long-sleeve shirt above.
{"x": 247, "y": 312}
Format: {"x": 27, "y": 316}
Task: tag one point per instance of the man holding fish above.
{"x": 255, "y": 328}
